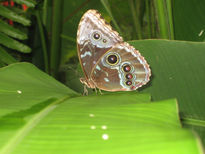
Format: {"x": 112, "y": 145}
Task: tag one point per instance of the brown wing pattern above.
{"x": 94, "y": 38}
{"x": 122, "y": 68}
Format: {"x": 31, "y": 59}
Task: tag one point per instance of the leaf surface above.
{"x": 40, "y": 115}
{"x": 178, "y": 71}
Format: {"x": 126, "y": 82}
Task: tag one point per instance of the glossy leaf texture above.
{"x": 40, "y": 115}
{"x": 178, "y": 71}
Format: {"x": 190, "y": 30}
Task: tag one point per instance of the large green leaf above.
{"x": 189, "y": 19}
{"x": 40, "y": 115}
{"x": 178, "y": 70}
{"x": 26, "y": 86}
{"x": 84, "y": 125}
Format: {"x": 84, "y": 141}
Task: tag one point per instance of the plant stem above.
{"x": 135, "y": 19}
{"x": 164, "y": 14}
{"x": 153, "y": 20}
{"x": 107, "y": 7}
{"x": 147, "y": 4}
{"x": 45, "y": 8}
{"x": 43, "y": 41}
{"x": 170, "y": 19}
{"x": 161, "y": 19}
{"x": 56, "y": 39}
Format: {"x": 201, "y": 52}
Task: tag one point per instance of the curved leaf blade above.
{"x": 5, "y": 57}
{"x": 11, "y": 31}
{"x": 7, "y": 13}
{"x": 28, "y": 3}
{"x": 13, "y": 44}
{"x": 22, "y": 85}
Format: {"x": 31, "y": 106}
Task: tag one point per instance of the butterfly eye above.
{"x": 96, "y": 36}
{"x": 126, "y": 68}
{"x": 128, "y": 83}
{"x": 112, "y": 59}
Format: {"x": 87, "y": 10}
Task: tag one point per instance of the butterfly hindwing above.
{"x": 122, "y": 68}
{"x": 94, "y": 38}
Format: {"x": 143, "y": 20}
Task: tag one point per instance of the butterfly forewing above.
{"x": 122, "y": 68}
{"x": 94, "y": 38}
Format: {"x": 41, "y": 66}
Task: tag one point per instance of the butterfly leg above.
{"x": 85, "y": 93}
{"x": 84, "y": 82}
{"x": 96, "y": 92}
{"x": 100, "y": 91}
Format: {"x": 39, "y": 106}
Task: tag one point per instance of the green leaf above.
{"x": 22, "y": 85}
{"x": 5, "y": 57}
{"x": 28, "y": 3}
{"x": 164, "y": 15}
{"x": 189, "y": 21}
{"x": 82, "y": 124}
{"x": 40, "y": 115}
{"x": 55, "y": 47}
{"x": 13, "y": 44}
{"x": 7, "y": 13}
{"x": 178, "y": 71}
{"x": 11, "y": 31}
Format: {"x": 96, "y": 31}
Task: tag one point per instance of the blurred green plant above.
{"x": 11, "y": 35}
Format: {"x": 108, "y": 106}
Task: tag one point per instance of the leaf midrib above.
{"x": 20, "y": 135}
{"x": 194, "y": 122}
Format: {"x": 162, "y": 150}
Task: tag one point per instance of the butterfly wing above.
{"x": 94, "y": 38}
{"x": 122, "y": 68}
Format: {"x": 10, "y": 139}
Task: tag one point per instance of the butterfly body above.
{"x": 108, "y": 62}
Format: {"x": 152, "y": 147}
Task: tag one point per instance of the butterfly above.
{"x": 108, "y": 63}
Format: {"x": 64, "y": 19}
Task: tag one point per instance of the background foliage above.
{"x": 44, "y": 34}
